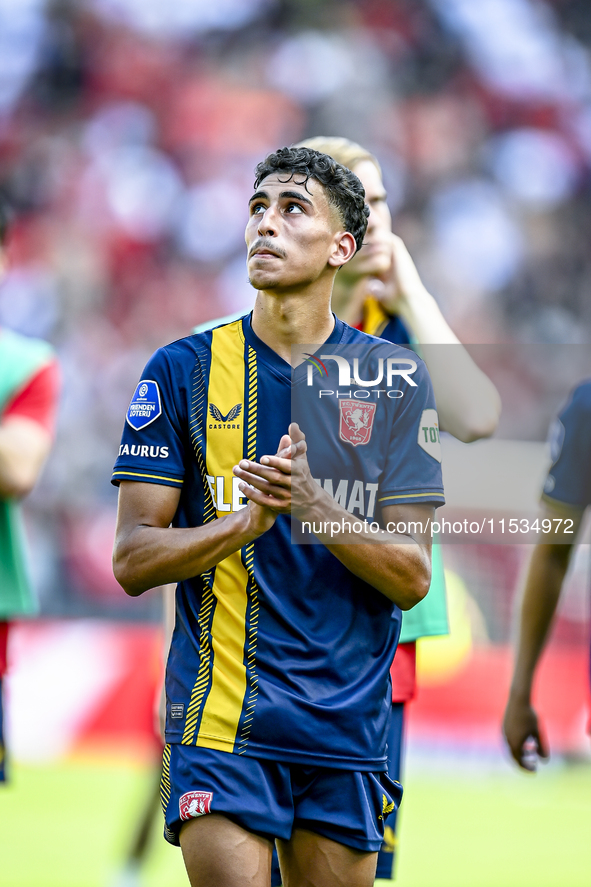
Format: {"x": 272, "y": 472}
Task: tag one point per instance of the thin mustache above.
{"x": 266, "y": 244}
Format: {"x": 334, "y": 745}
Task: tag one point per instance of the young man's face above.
{"x": 376, "y": 256}
{"x": 294, "y": 235}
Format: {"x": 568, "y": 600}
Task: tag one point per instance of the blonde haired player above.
{"x": 380, "y": 292}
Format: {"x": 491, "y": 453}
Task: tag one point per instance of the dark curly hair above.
{"x": 343, "y": 188}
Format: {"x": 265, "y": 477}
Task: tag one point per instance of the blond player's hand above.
{"x": 400, "y": 283}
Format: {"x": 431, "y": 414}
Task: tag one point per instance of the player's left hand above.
{"x": 524, "y": 735}
{"x": 270, "y": 481}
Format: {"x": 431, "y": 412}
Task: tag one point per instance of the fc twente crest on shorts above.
{"x": 193, "y": 804}
{"x": 356, "y": 421}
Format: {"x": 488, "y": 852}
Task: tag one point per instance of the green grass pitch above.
{"x": 68, "y": 825}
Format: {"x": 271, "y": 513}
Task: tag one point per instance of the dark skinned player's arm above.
{"x": 543, "y": 584}
{"x": 149, "y": 552}
{"x": 399, "y": 566}
{"x": 396, "y": 564}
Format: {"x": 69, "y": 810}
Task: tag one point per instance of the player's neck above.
{"x": 348, "y": 296}
{"x": 287, "y": 320}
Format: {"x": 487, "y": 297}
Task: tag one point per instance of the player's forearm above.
{"x": 422, "y": 315}
{"x": 395, "y": 564}
{"x": 543, "y": 583}
{"x": 467, "y": 402}
{"x": 146, "y": 557}
{"x": 400, "y": 571}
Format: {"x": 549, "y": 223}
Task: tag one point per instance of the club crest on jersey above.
{"x": 145, "y": 405}
{"x": 227, "y": 421}
{"x": 193, "y": 804}
{"x": 356, "y": 421}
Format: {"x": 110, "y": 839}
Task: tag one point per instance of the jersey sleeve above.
{"x": 153, "y": 445}
{"x": 413, "y": 470}
{"x": 569, "y": 479}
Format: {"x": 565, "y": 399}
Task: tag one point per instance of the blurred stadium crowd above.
{"x": 129, "y": 130}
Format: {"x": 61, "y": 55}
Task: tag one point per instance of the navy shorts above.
{"x": 385, "y": 868}
{"x": 270, "y": 798}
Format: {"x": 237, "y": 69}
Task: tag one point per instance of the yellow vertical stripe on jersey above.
{"x": 165, "y": 778}
{"x": 224, "y": 449}
{"x": 374, "y": 317}
{"x": 205, "y": 656}
{"x": 197, "y": 431}
{"x": 253, "y": 622}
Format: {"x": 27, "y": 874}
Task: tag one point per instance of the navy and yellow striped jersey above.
{"x": 279, "y": 652}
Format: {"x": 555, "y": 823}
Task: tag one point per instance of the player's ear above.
{"x": 344, "y": 248}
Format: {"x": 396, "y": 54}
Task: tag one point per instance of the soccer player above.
{"x": 277, "y": 678}
{"x": 29, "y": 383}
{"x": 566, "y": 495}
{"x": 380, "y": 292}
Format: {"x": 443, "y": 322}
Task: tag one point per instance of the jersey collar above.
{"x": 271, "y": 357}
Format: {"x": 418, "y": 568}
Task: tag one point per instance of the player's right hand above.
{"x": 262, "y": 518}
{"x": 524, "y": 736}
